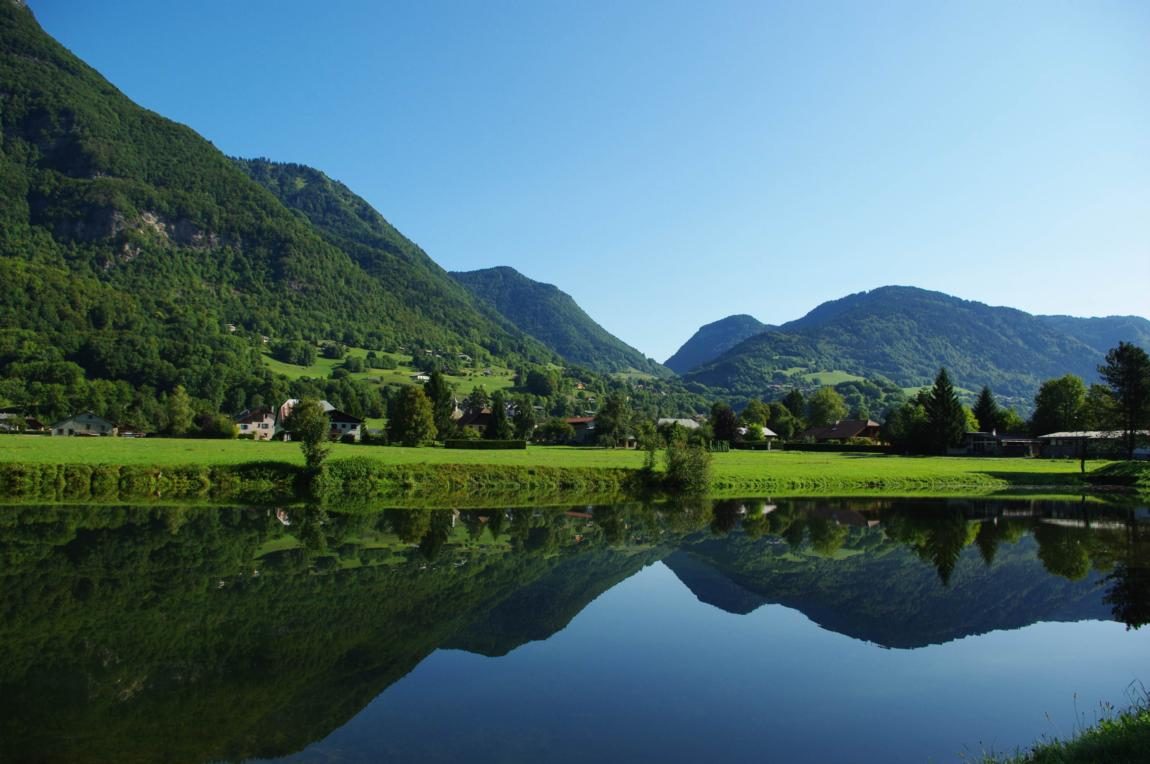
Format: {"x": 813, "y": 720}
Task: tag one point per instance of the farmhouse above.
{"x": 584, "y": 427}
{"x": 84, "y": 424}
{"x": 259, "y": 423}
{"x": 343, "y": 425}
{"x": 476, "y": 421}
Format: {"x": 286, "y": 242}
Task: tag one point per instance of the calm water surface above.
{"x": 817, "y": 630}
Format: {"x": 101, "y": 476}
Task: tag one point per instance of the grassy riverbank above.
{"x": 228, "y": 469}
{"x": 1118, "y": 738}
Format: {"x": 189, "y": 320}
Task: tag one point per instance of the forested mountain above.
{"x": 946, "y": 573}
{"x": 553, "y": 317}
{"x": 427, "y": 300}
{"x": 133, "y": 252}
{"x": 905, "y": 334}
{"x": 712, "y": 340}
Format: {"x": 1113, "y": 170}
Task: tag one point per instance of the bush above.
{"x": 688, "y": 468}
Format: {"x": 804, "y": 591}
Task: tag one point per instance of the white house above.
{"x": 342, "y": 424}
{"x": 259, "y": 424}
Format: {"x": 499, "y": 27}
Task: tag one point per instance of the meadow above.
{"x": 745, "y": 472}
{"x": 496, "y": 378}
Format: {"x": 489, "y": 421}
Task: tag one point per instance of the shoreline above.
{"x": 364, "y": 478}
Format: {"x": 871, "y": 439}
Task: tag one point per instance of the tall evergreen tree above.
{"x": 986, "y": 411}
{"x": 442, "y": 403}
{"x": 410, "y": 420}
{"x": 1127, "y": 374}
{"x": 945, "y": 414}
{"x": 724, "y": 423}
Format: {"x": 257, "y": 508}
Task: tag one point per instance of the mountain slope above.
{"x": 712, "y": 340}
{"x": 905, "y": 334}
{"x": 426, "y": 290}
{"x": 128, "y": 244}
{"x": 552, "y": 316}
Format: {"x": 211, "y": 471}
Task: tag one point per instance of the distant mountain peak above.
{"x": 905, "y": 334}
{"x": 712, "y": 340}
{"x": 552, "y": 316}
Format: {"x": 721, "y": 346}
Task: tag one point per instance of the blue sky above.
{"x": 670, "y": 163}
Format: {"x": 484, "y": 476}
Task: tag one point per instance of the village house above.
{"x": 343, "y": 425}
{"x": 584, "y": 427}
{"x": 84, "y": 424}
{"x": 1090, "y": 444}
{"x": 258, "y": 424}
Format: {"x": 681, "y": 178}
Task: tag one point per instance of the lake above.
{"x": 744, "y": 630}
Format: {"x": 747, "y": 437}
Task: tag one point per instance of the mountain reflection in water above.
{"x": 198, "y": 634}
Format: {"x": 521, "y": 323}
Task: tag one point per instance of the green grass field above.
{"x": 735, "y": 471}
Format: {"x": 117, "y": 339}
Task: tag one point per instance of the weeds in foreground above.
{"x": 1117, "y": 736}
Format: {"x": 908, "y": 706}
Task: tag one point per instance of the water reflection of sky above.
{"x": 647, "y": 672}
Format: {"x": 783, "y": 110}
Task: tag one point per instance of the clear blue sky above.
{"x": 670, "y": 163}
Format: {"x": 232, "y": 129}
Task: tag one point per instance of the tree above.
{"x": 724, "y": 423}
{"x": 1059, "y": 405}
{"x": 308, "y": 424}
{"x": 907, "y": 427}
{"x": 795, "y": 403}
{"x": 825, "y": 407}
{"x": 555, "y": 430}
{"x": 755, "y": 412}
{"x": 782, "y": 422}
{"x": 945, "y": 415}
{"x": 986, "y": 411}
{"x": 1010, "y": 421}
{"x": 410, "y": 420}
{"x": 541, "y": 383}
{"x": 442, "y": 403}
{"x": 179, "y": 411}
{"x": 687, "y": 467}
{"x": 477, "y": 400}
{"x": 523, "y": 420}
{"x": 614, "y": 419}
{"x": 498, "y": 428}
{"x": 1127, "y": 374}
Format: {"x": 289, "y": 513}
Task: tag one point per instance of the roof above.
{"x": 841, "y": 430}
{"x": 1091, "y": 434}
{"x": 690, "y": 424}
{"x": 335, "y": 415}
{"x": 475, "y": 418}
{"x": 87, "y": 414}
{"x": 253, "y": 415}
{"x": 579, "y": 420}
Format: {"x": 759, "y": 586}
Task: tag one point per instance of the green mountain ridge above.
{"x": 712, "y": 340}
{"x": 554, "y": 318}
{"x": 133, "y": 251}
{"x": 905, "y": 334}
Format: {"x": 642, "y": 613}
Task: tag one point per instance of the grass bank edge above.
{"x": 447, "y": 482}
{"x": 1119, "y": 736}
